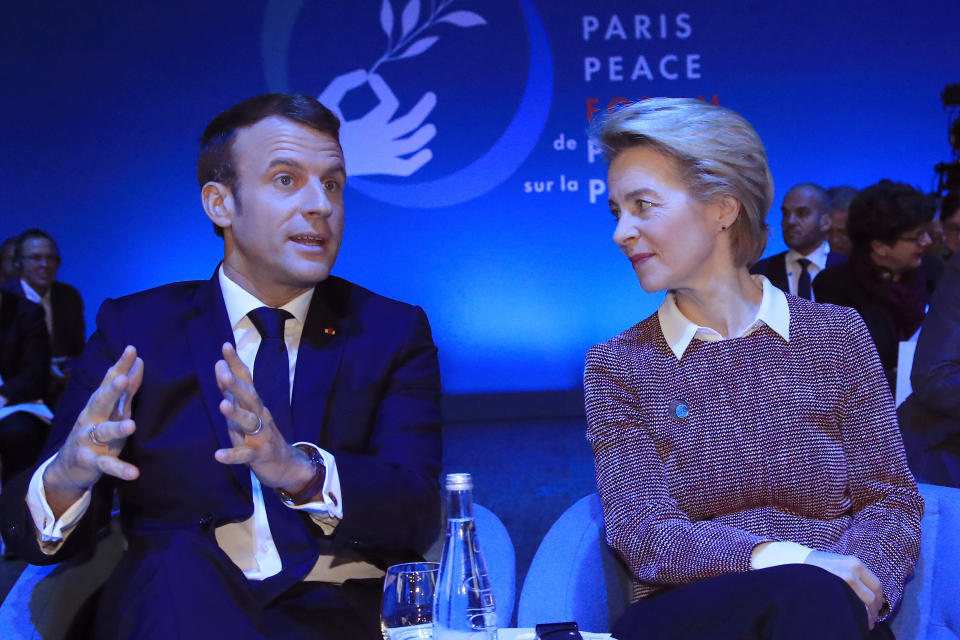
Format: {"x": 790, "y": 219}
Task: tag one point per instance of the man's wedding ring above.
{"x": 252, "y": 433}
{"x": 93, "y": 436}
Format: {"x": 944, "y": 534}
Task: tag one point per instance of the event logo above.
{"x": 381, "y": 143}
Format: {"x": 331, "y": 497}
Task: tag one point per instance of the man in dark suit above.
{"x": 930, "y": 416}
{"x": 37, "y": 256}
{"x": 24, "y": 367}
{"x": 255, "y": 505}
{"x": 805, "y": 223}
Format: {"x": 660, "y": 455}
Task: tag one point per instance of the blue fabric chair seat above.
{"x": 575, "y": 576}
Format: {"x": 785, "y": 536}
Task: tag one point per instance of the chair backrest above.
{"x": 45, "y": 601}
{"x": 575, "y": 576}
{"x": 930, "y": 609}
{"x": 498, "y": 551}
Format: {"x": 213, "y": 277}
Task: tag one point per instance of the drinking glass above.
{"x": 407, "y": 612}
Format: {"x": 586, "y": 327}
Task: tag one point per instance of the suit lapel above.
{"x": 779, "y": 273}
{"x": 318, "y": 361}
{"x": 207, "y": 330}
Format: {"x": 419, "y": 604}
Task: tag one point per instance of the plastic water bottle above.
{"x": 463, "y": 607}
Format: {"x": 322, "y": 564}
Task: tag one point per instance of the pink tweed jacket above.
{"x": 748, "y": 440}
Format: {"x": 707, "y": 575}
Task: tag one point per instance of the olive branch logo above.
{"x": 410, "y": 43}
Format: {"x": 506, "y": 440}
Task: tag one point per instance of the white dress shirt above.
{"x": 679, "y": 332}
{"x": 818, "y": 262}
{"x": 249, "y": 544}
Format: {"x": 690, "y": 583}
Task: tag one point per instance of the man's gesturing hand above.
{"x": 856, "y": 574}
{"x": 98, "y": 435}
{"x": 276, "y": 462}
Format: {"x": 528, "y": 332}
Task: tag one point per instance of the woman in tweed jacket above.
{"x": 747, "y": 451}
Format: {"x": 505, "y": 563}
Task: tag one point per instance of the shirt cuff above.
{"x": 51, "y": 533}
{"x": 774, "y": 554}
{"x": 327, "y": 512}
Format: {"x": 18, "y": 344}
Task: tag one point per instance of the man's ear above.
{"x": 218, "y": 204}
{"x": 879, "y": 248}
{"x": 826, "y": 221}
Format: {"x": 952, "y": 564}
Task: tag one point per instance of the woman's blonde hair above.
{"x": 719, "y": 152}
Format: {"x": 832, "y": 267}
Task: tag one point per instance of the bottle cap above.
{"x": 459, "y": 481}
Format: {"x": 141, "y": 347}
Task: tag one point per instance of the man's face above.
{"x": 285, "y": 231}
{"x": 8, "y": 267}
{"x": 805, "y": 220}
{"x": 951, "y": 231}
{"x": 39, "y": 263}
{"x": 839, "y": 240}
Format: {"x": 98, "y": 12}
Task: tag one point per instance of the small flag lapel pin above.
{"x": 330, "y": 331}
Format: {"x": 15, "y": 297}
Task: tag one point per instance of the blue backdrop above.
{"x": 473, "y": 191}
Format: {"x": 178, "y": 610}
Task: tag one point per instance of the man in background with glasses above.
{"x": 37, "y": 257}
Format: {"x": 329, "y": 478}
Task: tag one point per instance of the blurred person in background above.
{"x": 38, "y": 258}
{"x": 950, "y": 221}
{"x": 930, "y": 416}
{"x": 840, "y": 199}
{"x": 805, "y": 223}
{"x": 24, "y": 367}
{"x": 8, "y": 260}
{"x": 888, "y": 278}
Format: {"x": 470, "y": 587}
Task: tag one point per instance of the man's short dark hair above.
{"x": 819, "y": 193}
{"x": 31, "y": 234}
{"x": 215, "y": 161}
{"x": 12, "y": 241}
{"x": 950, "y": 205}
{"x": 884, "y": 211}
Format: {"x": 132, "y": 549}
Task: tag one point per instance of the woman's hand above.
{"x": 856, "y": 574}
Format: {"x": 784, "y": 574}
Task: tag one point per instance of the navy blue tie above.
{"x": 271, "y": 369}
{"x": 271, "y": 378}
{"x": 804, "y": 290}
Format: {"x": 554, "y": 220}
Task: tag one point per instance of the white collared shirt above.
{"x": 679, "y": 332}
{"x": 249, "y": 544}
{"x": 818, "y": 262}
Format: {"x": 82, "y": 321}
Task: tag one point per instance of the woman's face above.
{"x": 906, "y": 252}
{"x": 669, "y": 237}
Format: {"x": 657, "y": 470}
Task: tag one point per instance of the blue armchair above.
{"x": 575, "y": 576}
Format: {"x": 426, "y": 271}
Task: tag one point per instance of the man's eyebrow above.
{"x": 288, "y": 162}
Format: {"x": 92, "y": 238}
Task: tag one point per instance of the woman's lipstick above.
{"x": 640, "y": 258}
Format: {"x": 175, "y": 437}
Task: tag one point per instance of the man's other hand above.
{"x": 98, "y": 435}
{"x": 256, "y": 440}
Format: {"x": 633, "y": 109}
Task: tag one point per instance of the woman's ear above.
{"x": 726, "y": 211}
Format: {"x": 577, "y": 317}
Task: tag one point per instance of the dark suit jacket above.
{"x": 775, "y": 268}
{"x": 69, "y": 329}
{"x": 368, "y": 393}
{"x": 930, "y": 416}
{"x": 839, "y": 285}
{"x": 24, "y": 349}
